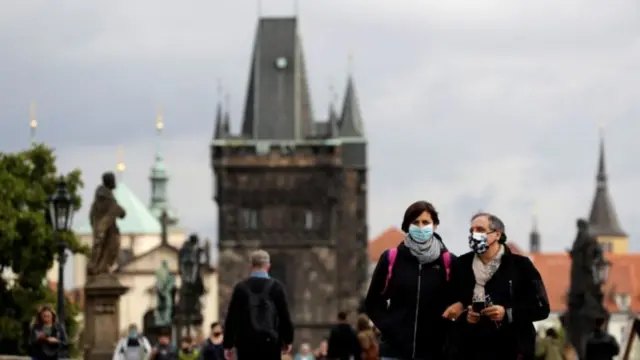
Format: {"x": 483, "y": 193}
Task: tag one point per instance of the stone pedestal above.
{"x": 102, "y": 316}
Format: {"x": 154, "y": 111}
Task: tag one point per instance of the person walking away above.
{"x": 134, "y": 346}
{"x": 502, "y": 292}
{"x": 212, "y": 347}
{"x": 323, "y": 350}
{"x": 343, "y": 341}
{"x": 600, "y": 344}
{"x": 164, "y": 350}
{"x": 550, "y": 346}
{"x": 304, "y": 353}
{"x": 258, "y": 323}
{"x": 367, "y": 339}
{"x": 47, "y": 337}
{"x": 409, "y": 293}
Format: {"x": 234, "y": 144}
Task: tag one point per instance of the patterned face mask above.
{"x": 478, "y": 242}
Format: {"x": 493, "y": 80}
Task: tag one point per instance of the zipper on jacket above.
{"x": 415, "y": 323}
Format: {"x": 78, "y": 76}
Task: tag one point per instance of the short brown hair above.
{"x": 414, "y": 210}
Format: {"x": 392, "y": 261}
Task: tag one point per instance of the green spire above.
{"x": 159, "y": 179}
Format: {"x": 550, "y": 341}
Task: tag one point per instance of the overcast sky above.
{"x": 491, "y": 105}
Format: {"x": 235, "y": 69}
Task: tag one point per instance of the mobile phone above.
{"x": 477, "y": 306}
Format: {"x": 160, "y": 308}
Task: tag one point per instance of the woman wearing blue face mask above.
{"x": 409, "y": 290}
{"x": 502, "y": 292}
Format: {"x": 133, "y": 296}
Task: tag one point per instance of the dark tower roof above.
{"x": 534, "y": 238}
{"x": 603, "y": 219}
{"x": 351, "y": 124}
{"x": 219, "y": 131}
{"x": 277, "y": 104}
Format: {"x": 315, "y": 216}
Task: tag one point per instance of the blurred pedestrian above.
{"x": 48, "y": 338}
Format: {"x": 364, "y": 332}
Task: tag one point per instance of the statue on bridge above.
{"x": 106, "y": 235}
{"x": 589, "y": 271}
{"x": 192, "y": 287}
{"x": 165, "y": 295}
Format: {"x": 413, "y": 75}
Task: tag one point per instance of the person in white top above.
{"x": 132, "y": 347}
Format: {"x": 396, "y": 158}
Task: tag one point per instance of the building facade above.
{"x": 293, "y": 186}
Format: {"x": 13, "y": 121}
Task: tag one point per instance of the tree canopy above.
{"x": 27, "y": 246}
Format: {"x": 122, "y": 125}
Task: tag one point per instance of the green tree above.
{"x": 27, "y": 247}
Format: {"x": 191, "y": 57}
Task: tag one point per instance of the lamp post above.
{"x": 61, "y": 214}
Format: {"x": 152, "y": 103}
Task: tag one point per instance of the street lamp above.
{"x": 600, "y": 270}
{"x": 61, "y": 214}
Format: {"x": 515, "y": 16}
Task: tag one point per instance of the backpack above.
{"x": 391, "y": 256}
{"x": 262, "y": 313}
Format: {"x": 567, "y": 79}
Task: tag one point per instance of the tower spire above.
{"x": 534, "y": 235}
{"x": 159, "y": 178}
{"x": 33, "y": 122}
{"x": 219, "y": 128}
{"x": 351, "y": 124}
{"x": 603, "y": 218}
{"x": 333, "y": 131}
{"x": 226, "y": 122}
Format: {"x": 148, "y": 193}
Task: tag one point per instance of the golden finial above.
{"x": 159, "y": 122}
{"x": 33, "y": 120}
{"x": 120, "y": 167}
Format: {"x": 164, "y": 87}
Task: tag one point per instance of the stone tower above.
{"x": 293, "y": 186}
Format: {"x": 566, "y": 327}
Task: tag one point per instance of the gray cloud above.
{"x": 491, "y": 105}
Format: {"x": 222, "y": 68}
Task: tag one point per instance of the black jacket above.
{"x": 211, "y": 351}
{"x": 516, "y": 286}
{"x": 409, "y": 313}
{"x": 237, "y": 327}
{"x": 343, "y": 343}
{"x": 601, "y": 346}
{"x": 43, "y": 350}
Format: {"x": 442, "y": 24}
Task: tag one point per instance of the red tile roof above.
{"x": 555, "y": 269}
{"x": 390, "y": 238}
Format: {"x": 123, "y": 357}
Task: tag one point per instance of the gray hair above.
{"x": 260, "y": 259}
{"x": 494, "y": 223}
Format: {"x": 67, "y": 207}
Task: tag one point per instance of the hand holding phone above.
{"x": 478, "y": 306}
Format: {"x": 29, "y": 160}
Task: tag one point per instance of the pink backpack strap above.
{"x": 391, "y": 258}
{"x": 446, "y": 258}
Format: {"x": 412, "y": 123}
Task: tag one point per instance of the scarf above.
{"x": 484, "y": 272}
{"x": 425, "y": 252}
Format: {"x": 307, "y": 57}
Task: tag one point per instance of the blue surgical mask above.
{"x": 421, "y": 234}
{"x": 479, "y": 243}
{"x": 133, "y": 334}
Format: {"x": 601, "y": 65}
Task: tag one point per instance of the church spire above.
{"x": 159, "y": 178}
{"x": 603, "y": 218}
{"x": 534, "y": 237}
{"x": 351, "y": 124}
{"x": 334, "y": 120}
{"x": 221, "y": 129}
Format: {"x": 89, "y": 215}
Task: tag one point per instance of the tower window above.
{"x": 249, "y": 219}
{"x": 607, "y": 247}
{"x": 308, "y": 220}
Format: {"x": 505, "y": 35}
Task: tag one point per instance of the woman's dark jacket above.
{"x": 43, "y": 350}
{"x": 516, "y": 286}
{"x": 411, "y": 323}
